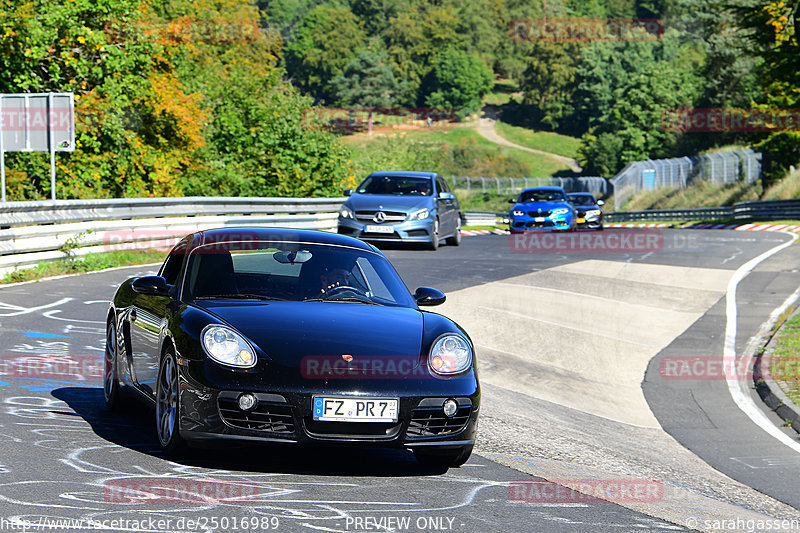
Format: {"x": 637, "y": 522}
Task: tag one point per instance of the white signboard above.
{"x": 36, "y": 123}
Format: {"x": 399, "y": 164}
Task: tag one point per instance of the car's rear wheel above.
{"x": 434, "y": 243}
{"x": 167, "y": 406}
{"x": 455, "y": 240}
{"x": 452, "y": 458}
{"x": 110, "y": 381}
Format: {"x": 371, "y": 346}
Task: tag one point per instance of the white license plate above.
{"x": 379, "y": 229}
{"x": 355, "y": 409}
{"x": 539, "y": 219}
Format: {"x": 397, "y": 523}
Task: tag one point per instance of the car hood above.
{"x": 544, "y": 206}
{"x": 586, "y": 206}
{"x": 289, "y": 331}
{"x": 385, "y": 202}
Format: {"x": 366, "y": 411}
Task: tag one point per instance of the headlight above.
{"x": 518, "y": 212}
{"x": 421, "y": 214}
{"x": 450, "y": 354}
{"x": 346, "y": 212}
{"x": 593, "y": 212}
{"x": 226, "y": 346}
{"x": 560, "y": 211}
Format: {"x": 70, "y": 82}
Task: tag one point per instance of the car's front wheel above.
{"x": 455, "y": 240}
{"x": 167, "y": 406}
{"x": 451, "y": 458}
{"x": 434, "y": 243}
{"x": 110, "y": 381}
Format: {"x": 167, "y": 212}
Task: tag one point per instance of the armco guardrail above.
{"x": 765, "y": 210}
{"x": 31, "y": 232}
{"x": 61, "y": 211}
{"x": 479, "y": 218}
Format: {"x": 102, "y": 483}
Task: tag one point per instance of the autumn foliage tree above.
{"x": 173, "y": 97}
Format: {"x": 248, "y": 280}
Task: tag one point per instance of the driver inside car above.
{"x": 332, "y": 278}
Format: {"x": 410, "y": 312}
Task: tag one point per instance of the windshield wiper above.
{"x": 348, "y": 299}
{"x": 236, "y": 296}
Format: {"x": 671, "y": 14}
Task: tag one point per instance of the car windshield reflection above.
{"x": 396, "y": 185}
{"x": 541, "y": 196}
{"x": 292, "y": 272}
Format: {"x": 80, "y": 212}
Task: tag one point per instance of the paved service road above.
{"x": 64, "y": 457}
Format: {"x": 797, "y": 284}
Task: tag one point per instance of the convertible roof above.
{"x": 277, "y": 234}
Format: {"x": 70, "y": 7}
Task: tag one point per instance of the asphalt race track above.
{"x": 570, "y": 348}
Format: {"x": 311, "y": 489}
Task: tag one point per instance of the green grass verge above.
{"x": 458, "y": 151}
{"x": 701, "y": 194}
{"x": 787, "y": 188}
{"x": 87, "y": 263}
{"x": 488, "y": 228}
{"x": 478, "y": 201}
{"x": 785, "y": 363}
{"x": 547, "y": 141}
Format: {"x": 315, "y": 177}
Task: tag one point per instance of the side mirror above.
{"x": 151, "y": 285}
{"x": 512, "y": 201}
{"x": 600, "y": 202}
{"x": 429, "y": 296}
{"x": 348, "y": 192}
{"x": 444, "y": 195}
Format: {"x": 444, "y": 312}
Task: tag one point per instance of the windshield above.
{"x": 396, "y": 185}
{"x": 582, "y": 199}
{"x": 541, "y": 196}
{"x": 294, "y": 272}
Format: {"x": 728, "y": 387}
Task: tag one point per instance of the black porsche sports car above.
{"x": 292, "y": 336}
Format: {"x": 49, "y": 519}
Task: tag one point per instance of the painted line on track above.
{"x": 735, "y": 384}
{"x": 783, "y": 228}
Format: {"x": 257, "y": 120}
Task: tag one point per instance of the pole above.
{"x": 52, "y": 144}
{"x": 2, "y": 157}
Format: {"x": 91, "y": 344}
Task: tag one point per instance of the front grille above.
{"x": 581, "y": 213}
{"x": 352, "y": 430}
{"x": 391, "y": 216}
{"x": 268, "y": 417}
{"x": 432, "y": 422}
{"x": 545, "y": 224}
{"x": 538, "y": 214}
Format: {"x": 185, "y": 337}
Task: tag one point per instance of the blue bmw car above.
{"x": 542, "y": 208}
{"x": 402, "y": 206}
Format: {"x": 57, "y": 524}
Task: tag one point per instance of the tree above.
{"x": 458, "y": 80}
{"x": 632, "y": 128}
{"x": 771, "y": 28}
{"x": 327, "y": 40}
{"x": 413, "y": 37}
{"x": 367, "y": 82}
{"x": 172, "y": 97}
{"x": 548, "y": 83}
{"x": 375, "y": 14}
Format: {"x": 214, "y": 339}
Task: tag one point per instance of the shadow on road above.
{"x": 134, "y": 427}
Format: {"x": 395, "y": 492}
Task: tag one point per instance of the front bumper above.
{"x": 284, "y": 414}
{"x": 590, "y": 222}
{"x": 519, "y": 224}
{"x": 406, "y": 231}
